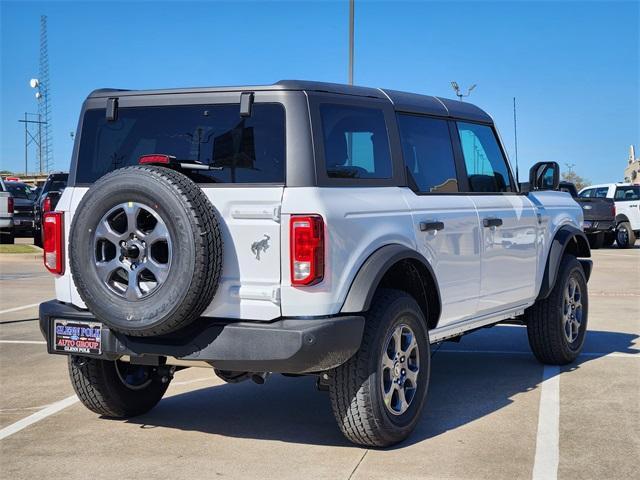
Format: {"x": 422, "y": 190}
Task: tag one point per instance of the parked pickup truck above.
{"x": 302, "y": 228}
{"x": 599, "y": 216}
{"x": 6, "y": 215}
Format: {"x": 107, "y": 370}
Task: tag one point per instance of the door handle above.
{"x": 491, "y": 222}
{"x": 426, "y": 226}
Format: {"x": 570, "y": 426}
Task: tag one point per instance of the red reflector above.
{"x": 10, "y": 205}
{"x": 306, "y": 249}
{"x": 155, "y": 158}
{"x": 53, "y": 235}
{"x": 46, "y": 205}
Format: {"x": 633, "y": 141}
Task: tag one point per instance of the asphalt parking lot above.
{"x": 493, "y": 411}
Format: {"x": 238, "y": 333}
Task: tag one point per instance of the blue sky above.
{"x": 574, "y": 66}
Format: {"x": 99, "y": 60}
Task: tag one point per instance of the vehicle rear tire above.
{"x": 8, "y": 237}
{"x": 557, "y": 325}
{"x": 371, "y": 408}
{"x": 37, "y": 238}
{"x": 115, "y": 389}
{"x": 609, "y": 239}
{"x": 625, "y": 236}
{"x": 145, "y": 250}
{"x": 596, "y": 240}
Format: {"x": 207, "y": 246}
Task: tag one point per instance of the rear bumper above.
{"x": 288, "y": 345}
{"x": 6, "y": 223}
{"x": 595, "y": 226}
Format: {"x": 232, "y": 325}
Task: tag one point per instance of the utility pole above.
{"x": 30, "y": 137}
{"x": 351, "y": 27}
{"x": 515, "y": 138}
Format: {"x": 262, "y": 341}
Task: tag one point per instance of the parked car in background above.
{"x": 23, "y": 199}
{"x": 6, "y": 215}
{"x": 627, "y": 201}
{"x": 599, "y": 216}
{"x": 47, "y": 201}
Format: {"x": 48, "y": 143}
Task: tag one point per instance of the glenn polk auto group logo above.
{"x": 260, "y": 246}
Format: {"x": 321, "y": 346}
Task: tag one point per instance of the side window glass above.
{"x": 486, "y": 166}
{"x": 602, "y": 192}
{"x": 587, "y": 193}
{"x": 630, "y": 193}
{"x": 428, "y": 154}
{"x": 356, "y": 144}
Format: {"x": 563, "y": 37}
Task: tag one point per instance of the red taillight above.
{"x": 155, "y": 158}
{"x": 53, "y": 236}
{"x": 613, "y": 210}
{"x": 46, "y": 205}
{"x": 10, "y": 205}
{"x": 307, "y": 249}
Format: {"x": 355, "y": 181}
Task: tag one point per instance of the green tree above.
{"x": 570, "y": 175}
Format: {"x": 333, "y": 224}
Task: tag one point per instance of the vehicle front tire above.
{"x": 377, "y": 396}
{"x": 8, "y": 237}
{"x": 596, "y": 240}
{"x": 116, "y": 389}
{"x": 557, "y": 325}
{"x": 625, "y": 236}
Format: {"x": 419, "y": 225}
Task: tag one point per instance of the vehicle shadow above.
{"x": 290, "y": 410}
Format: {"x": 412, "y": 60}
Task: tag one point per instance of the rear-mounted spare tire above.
{"x": 145, "y": 250}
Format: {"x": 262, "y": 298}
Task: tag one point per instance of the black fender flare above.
{"x": 368, "y": 278}
{"x": 621, "y": 217}
{"x": 567, "y": 237}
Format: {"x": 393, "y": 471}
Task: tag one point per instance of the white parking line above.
{"x": 26, "y": 342}
{"x": 36, "y": 417}
{"x": 545, "y": 466}
{"x": 516, "y": 352}
{"x": 15, "y": 309}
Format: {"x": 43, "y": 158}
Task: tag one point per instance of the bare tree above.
{"x": 570, "y": 175}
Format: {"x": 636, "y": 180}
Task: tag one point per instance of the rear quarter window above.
{"x": 356, "y": 143}
{"x": 239, "y": 149}
{"x": 629, "y": 193}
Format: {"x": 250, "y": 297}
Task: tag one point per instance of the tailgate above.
{"x": 597, "y": 208}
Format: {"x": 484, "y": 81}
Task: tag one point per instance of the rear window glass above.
{"x": 239, "y": 149}
{"x": 628, "y": 193}
{"x": 356, "y": 143}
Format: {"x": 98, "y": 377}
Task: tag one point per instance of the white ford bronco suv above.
{"x": 301, "y": 228}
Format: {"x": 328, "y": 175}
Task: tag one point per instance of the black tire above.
{"x": 8, "y": 237}
{"x": 596, "y": 240}
{"x": 100, "y": 388}
{"x": 194, "y": 260}
{"x": 625, "y": 236}
{"x": 37, "y": 238}
{"x": 355, "y": 387}
{"x": 609, "y": 239}
{"x": 545, "y": 325}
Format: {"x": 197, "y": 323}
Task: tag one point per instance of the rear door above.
{"x": 445, "y": 220}
{"x": 245, "y": 182}
{"x": 508, "y": 222}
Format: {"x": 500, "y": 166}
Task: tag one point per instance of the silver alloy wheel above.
{"x": 572, "y": 310}
{"x": 132, "y": 250}
{"x": 400, "y": 368}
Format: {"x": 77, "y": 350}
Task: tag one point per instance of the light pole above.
{"x": 351, "y": 15}
{"x": 35, "y": 83}
{"x": 459, "y": 94}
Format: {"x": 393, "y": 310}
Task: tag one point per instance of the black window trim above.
{"x": 398, "y": 177}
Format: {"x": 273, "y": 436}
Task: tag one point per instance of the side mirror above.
{"x": 544, "y": 176}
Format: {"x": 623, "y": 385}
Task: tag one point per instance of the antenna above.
{"x": 44, "y": 99}
{"x": 515, "y": 138}
{"x": 351, "y": 28}
{"x": 459, "y": 94}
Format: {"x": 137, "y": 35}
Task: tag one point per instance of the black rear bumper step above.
{"x": 287, "y": 345}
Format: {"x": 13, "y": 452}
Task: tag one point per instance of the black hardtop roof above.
{"x": 402, "y": 101}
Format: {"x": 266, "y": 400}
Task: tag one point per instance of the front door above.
{"x": 508, "y": 222}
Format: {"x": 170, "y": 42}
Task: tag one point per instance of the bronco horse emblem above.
{"x": 260, "y": 246}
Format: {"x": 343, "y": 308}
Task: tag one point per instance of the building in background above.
{"x": 632, "y": 172}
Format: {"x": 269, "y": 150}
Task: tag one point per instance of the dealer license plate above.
{"x": 72, "y": 336}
